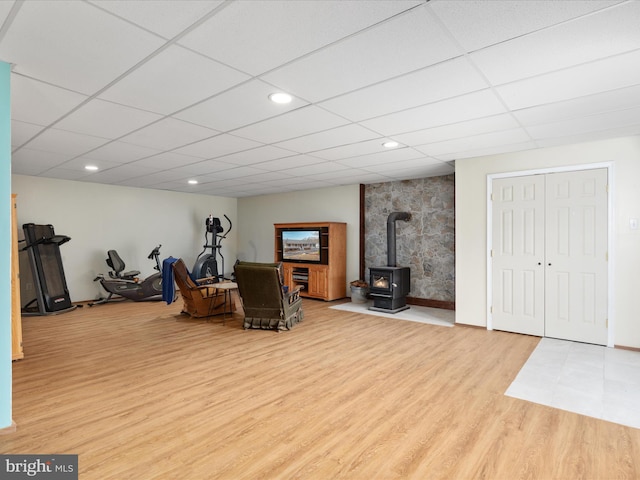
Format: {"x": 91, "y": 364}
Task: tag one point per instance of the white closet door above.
{"x": 576, "y": 256}
{"x": 518, "y": 255}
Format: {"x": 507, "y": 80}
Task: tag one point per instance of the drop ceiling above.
{"x": 157, "y": 93}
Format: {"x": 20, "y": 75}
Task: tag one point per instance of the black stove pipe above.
{"x": 391, "y": 235}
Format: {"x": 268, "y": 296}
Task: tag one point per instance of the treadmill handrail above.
{"x": 57, "y": 239}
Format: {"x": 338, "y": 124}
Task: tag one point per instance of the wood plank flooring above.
{"x": 139, "y": 391}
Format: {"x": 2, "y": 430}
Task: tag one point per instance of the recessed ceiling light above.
{"x": 390, "y": 144}
{"x": 193, "y": 182}
{"x": 280, "y": 97}
{"x": 91, "y": 168}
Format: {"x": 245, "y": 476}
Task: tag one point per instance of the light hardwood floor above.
{"x": 140, "y": 392}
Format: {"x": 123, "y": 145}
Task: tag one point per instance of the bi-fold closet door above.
{"x": 549, "y": 255}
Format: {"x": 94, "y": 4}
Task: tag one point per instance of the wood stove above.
{"x": 390, "y": 284}
{"x": 389, "y": 288}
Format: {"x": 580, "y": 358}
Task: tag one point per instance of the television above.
{"x": 301, "y": 245}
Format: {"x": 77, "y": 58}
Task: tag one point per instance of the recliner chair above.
{"x": 200, "y": 299}
{"x": 267, "y": 305}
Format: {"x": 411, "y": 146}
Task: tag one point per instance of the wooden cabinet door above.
{"x": 318, "y": 282}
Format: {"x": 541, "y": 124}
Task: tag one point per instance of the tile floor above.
{"x": 587, "y": 379}
{"x": 433, "y": 316}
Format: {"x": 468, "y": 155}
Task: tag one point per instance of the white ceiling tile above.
{"x": 433, "y": 170}
{"x": 403, "y": 44}
{"x": 353, "y": 150}
{"x": 311, "y": 184}
{"x": 62, "y": 173}
{"x": 390, "y": 73}
{"x": 381, "y": 157}
{"x": 67, "y": 143}
{"x": 213, "y": 181}
{"x": 293, "y": 124}
{"x": 21, "y": 132}
{"x": 205, "y": 167}
{"x": 556, "y": 48}
{"x": 235, "y": 172}
{"x": 340, "y": 173}
{"x": 206, "y": 189}
{"x": 361, "y": 177}
{"x": 205, "y": 182}
{"x": 448, "y": 79}
{"x": 218, "y": 146}
{"x": 619, "y": 132}
{"x": 73, "y": 44}
{"x": 149, "y": 179}
{"x": 494, "y": 150}
{"x": 120, "y": 152}
{"x": 119, "y": 174}
{"x": 175, "y": 186}
{"x": 242, "y": 105}
{"x": 256, "y": 191}
{"x": 160, "y": 16}
{"x": 283, "y": 181}
{"x": 476, "y": 142}
{"x": 5, "y": 8}
{"x": 421, "y": 163}
{"x": 166, "y": 160}
{"x": 609, "y": 74}
{"x": 314, "y": 169}
{"x": 168, "y": 134}
{"x": 180, "y": 79}
{"x": 454, "y": 110}
{"x": 257, "y": 155}
{"x": 100, "y": 118}
{"x": 344, "y": 135}
{"x": 477, "y": 126}
{"x": 287, "y": 163}
{"x": 40, "y": 103}
{"x": 267, "y": 34}
{"x": 577, "y": 107}
{"x": 479, "y": 23}
{"x": 262, "y": 177}
{"x": 592, "y": 123}
{"x": 27, "y": 161}
{"x": 79, "y": 163}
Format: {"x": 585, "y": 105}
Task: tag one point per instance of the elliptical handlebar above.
{"x": 154, "y": 253}
{"x": 230, "y": 226}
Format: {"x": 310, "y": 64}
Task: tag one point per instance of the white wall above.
{"x": 471, "y": 221}
{"x": 258, "y": 214}
{"x": 130, "y": 220}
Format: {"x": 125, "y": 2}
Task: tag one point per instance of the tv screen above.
{"x": 301, "y": 245}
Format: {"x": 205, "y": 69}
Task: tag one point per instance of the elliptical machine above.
{"x": 207, "y": 265}
{"x": 126, "y": 284}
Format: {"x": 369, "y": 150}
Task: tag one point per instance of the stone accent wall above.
{"x": 426, "y": 243}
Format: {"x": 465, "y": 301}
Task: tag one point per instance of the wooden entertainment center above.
{"x": 324, "y": 278}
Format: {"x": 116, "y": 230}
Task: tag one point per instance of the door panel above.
{"x": 549, "y": 255}
{"x": 517, "y": 255}
{"x": 576, "y": 256}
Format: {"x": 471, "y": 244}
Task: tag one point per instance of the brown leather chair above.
{"x": 265, "y": 302}
{"x": 200, "y": 299}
